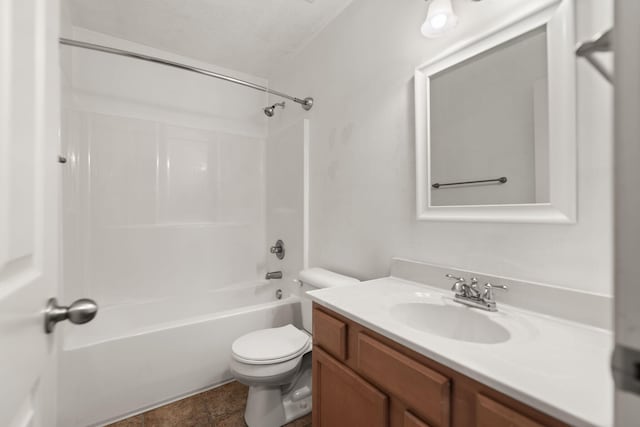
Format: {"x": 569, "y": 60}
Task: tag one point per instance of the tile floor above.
{"x": 220, "y": 407}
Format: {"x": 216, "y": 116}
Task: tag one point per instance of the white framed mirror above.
{"x": 496, "y": 126}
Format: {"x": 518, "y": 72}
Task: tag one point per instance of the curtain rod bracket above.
{"x": 307, "y": 103}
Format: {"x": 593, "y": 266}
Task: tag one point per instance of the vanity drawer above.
{"x": 490, "y": 413}
{"x": 424, "y": 391}
{"x": 330, "y": 334}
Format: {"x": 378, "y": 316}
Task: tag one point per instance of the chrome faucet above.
{"x": 469, "y": 293}
{"x": 273, "y": 275}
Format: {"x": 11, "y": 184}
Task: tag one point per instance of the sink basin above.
{"x": 457, "y": 323}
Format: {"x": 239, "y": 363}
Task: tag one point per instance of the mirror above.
{"x": 489, "y": 127}
{"x": 495, "y": 125}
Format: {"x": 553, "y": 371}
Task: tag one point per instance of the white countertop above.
{"x": 558, "y": 367}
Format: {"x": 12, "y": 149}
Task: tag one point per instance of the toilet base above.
{"x": 297, "y": 402}
{"x": 264, "y": 407}
{"x": 275, "y": 406}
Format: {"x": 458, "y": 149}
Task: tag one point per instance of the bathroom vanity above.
{"x": 381, "y": 359}
{"x": 362, "y": 378}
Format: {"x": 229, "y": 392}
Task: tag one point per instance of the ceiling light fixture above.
{"x": 440, "y": 18}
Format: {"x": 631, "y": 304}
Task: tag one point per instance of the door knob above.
{"x": 81, "y": 311}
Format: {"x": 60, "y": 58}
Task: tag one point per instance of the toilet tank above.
{"x": 317, "y": 278}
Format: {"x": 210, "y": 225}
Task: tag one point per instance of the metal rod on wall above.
{"x": 600, "y": 43}
{"x": 306, "y": 103}
{"x": 500, "y": 180}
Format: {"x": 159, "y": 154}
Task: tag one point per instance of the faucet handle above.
{"x": 278, "y": 249}
{"x": 487, "y": 294}
{"x": 459, "y": 286}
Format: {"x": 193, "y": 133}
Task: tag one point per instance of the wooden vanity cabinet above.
{"x": 362, "y": 379}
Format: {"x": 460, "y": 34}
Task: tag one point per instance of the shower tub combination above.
{"x": 146, "y": 166}
{"x": 172, "y": 348}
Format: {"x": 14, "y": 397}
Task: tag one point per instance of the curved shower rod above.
{"x": 306, "y": 103}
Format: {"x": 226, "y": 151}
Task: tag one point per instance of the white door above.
{"x": 627, "y": 217}
{"x": 29, "y": 122}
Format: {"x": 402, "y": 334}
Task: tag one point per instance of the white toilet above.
{"x": 276, "y": 363}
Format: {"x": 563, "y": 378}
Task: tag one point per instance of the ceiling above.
{"x": 244, "y": 35}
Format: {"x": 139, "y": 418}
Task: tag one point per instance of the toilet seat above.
{"x": 275, "y": 374}
{"x": 269, "y": 356}
{"x": 271, "y": 346}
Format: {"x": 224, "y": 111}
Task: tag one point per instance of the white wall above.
{"x": 164, "y": 188}
{"x": 362, "y": 200}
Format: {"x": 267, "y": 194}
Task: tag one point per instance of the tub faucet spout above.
{"x": 273, "y": 275}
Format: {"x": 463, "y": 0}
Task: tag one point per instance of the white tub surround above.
{"x": 556, "y": 366}
{"x": 163, "y": 226}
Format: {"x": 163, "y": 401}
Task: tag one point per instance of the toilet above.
{"x": 276, "y": 363}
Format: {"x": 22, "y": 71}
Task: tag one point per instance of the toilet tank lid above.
{"x": 321, "y": 278}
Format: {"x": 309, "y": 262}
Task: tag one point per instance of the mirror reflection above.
{"x": 488, "y": 124}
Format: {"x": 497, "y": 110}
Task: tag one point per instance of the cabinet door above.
{"x": 425, "y": 391}
{"x": 342, "y": 399}
{"x": 411, "y": 420}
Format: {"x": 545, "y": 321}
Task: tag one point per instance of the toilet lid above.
{"x": 272, "y": 345}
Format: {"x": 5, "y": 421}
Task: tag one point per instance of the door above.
{"x": 626, "y": 361}
{"x": 29, "y": 104}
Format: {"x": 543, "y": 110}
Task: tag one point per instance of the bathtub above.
{"x": 133, "y": 357}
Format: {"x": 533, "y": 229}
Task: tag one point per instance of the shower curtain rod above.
{"x": 306, "y": 103}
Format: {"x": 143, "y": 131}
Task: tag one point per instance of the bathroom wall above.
{"x": 362, "y": 167}
{"x": 164, "y": 187}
